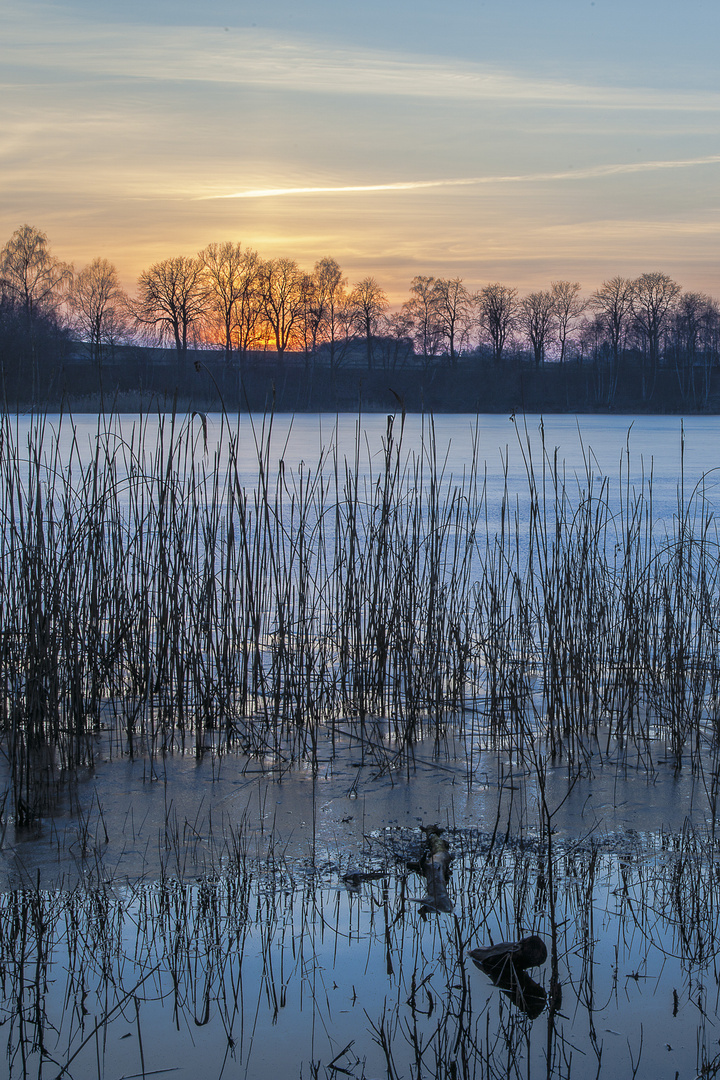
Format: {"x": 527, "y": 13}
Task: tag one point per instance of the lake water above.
{"x": 193, "y": 915}
{"x": 666, "y": 448}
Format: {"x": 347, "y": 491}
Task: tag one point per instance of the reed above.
{"x": 153, "y": 601}
{"x": 215, "y": 970}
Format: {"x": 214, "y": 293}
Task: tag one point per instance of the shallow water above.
{"x": 127, "y": 820}
{"x": 195, "y": 916}
{"x": 280, "y": 968}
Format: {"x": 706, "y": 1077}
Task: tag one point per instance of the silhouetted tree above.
{"x": 98, "y": 306}
{"x": 325, "y": 302}
{"x": 422, "y": 311}
{"x": 284, "y": 291}
{"x": 613, "y": 304}
{"x": 497, "y": 307}
{"x": 397, "y": 346}
{"x": 692, "y": 328}
{"x": 535, "y": 318}
{"x": 232, "y": 277}
{"x": 569, "y": 306}
{"x": 454, "y": 313}
{"x": 32, "y": 285}
{"x": 652, "y": 298}
{"x": 32, "y": 278}
{"x": 367, "y": 303}
{"x": 173, "y": 298}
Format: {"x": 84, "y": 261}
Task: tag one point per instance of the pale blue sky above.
{"x": 517, "y": 141}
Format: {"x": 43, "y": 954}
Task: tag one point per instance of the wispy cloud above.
{"x": 590, "y": 173}
{"x": 138, "y": 141}
{"x": 263, "y": 59}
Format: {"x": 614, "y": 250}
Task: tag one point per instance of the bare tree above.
{"x": 173, "y": 299}
{"x": 592, "y": 339}
{"x": 569, "y": 306}
{"x": 98, "y": 305}
{"x": 326, "y": 303}
{"x": 399, "y": 346}
{"x": 249, "y": 307}
{"x": 690, "y": 331}
{"x": 32, "y": 285}
{"x": 453, "y": 312}
{"x": 284, "y": 293}
{"x": 233, "y": 281}
{"x": 612, "y": 303}
{"x": 710, "y": 342}
{"x": 30, "y": 276}
{"x": 536, "y": 316}
{"x": 422, "y": 310}
{"x": 497, "y": 307}
{"x": 652, "y": 298}
{"x": 368, "y": 303}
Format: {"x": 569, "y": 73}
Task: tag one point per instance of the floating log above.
{"x": 354, "y": 879}
{"x": 505, "y": 964}
{"x": 528, "y": 952}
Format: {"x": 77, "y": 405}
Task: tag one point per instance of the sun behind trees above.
{"x": 229, "y": 299}
{"x": 232, "y": 277}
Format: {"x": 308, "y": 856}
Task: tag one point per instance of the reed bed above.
{"x": 153, "y": 598}
{"x": 264, "y": 967}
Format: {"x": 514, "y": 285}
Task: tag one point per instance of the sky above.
{"x": 521, "y": 141}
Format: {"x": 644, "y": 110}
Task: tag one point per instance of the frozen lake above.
{"x": 662, "y": 446}
{"x": 253, "y": 910}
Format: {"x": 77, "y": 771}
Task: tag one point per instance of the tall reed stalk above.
{"x": 151, "y": 596}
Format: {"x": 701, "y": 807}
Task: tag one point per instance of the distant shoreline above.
{"x": 147, "y": 378}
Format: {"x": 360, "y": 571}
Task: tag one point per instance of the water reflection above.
{"x": 377, "y": 635}
{"x": 272, "y": 969}
{"x": 506, "y": 963}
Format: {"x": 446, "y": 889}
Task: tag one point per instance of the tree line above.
{"x": 228, "y": 298}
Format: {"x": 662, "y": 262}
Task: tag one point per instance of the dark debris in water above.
{"x": 397, "y": 848}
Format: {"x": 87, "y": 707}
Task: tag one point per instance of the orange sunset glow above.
{"x": 493, "y": 145}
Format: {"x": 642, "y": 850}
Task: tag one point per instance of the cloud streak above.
{"x": 134, "y": 141}
{"x": 263, "y": 59}
{"x": 590, "y": 173}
